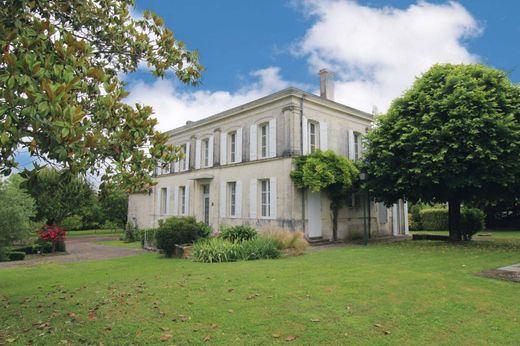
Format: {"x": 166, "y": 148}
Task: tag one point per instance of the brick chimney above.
{"x": 327, "y": 84}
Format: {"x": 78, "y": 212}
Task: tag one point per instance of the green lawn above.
{"x": 93, "y": 232}
{"x": 402, "y": 293}
{"x": 485, "y": 235}
{"x": 119, "y": 243}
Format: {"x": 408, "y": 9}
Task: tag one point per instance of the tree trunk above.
{"x": 454, "y": 219}
{"x": 335, "y": 211}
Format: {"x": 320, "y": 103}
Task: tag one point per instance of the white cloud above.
{"x": 377, "y": 52}
{"x": 173, "y": 107}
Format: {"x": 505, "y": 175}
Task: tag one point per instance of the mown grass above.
{"x": 94, "y": 232}
{"x": 402, "y": 293}
{"x": 484, "y": 235}
{"x": 119, "y": 243}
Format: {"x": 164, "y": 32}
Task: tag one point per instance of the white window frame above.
{"x": 263, "y": 140}
{"x": 357, "y": 145}
{"x": 265, "y": 198}
{"x": 163, "y": 207}
{"x": 205, "y": 152}
{"x": 314, "y": 135}
{"x": 182, "y": 200}
{"x": 232, "y": 198}
{"x": 232, "y": 140}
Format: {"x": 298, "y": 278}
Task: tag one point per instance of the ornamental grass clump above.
{"x": 237, "y": 234}
{"x": 291, "y": 243}
{"x": 222, "y": 250}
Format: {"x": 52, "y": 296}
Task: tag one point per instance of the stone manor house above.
{"x": 237, "y": 165}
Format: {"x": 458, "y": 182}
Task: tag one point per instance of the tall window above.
{"x": 356, "y": 145}
{"x": 265, "y": 197}
{"x": 183, "y": 162}
{"x": 205, "y": 152}
{"x": 314, "y": 136}
{"x": 163, "y": 201}
{"x": 182, "y": 199}
{"x": 264, "y": 140}
{"x": 232, "y": 188}
{"x": 232, "y": 146}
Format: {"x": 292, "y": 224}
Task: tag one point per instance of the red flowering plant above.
{"x": 53, "y": 234}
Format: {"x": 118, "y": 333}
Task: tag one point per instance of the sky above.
{"x": 376, "y": 48}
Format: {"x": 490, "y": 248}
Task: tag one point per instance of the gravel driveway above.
{"x": 80, "y": 249}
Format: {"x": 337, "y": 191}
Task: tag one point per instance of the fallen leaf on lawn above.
{"x": 11, "y": 340}
{"x": 207, "y": 338}
{"x": 214, "y": 326}
{"x": 276, "y": 336}
{"x": 71, "y": 314}
{"x": 290, "y": 338}
{"x": 230, "y": 290}
{"x": 91, "y": 315}
{"x": 377, "y": 325}
{"x": 315, "y": 320}
{"x": 231, "y": 311}
{"x": 165, "y": 329}
{"x": 387, "y": 332}
{"x": 108, "y": 329}
{"x": 166, "y": 337}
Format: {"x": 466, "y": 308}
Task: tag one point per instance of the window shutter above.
{"x": 252, "y": 143}
{"x": 210, "y": 152}
{"x": 222, "y": 202}
{"x": 272, "y": 138}
{"x": 351, "y": 146}
{"x": 167, "y": 201}
{"x": 158, "y": 198}
{"x": 238, "y": 146}
{"x": 187, "y": 157}
{"x": 238, "y": 199}
{"x": 223, "y": 148}
{"x": 175, "y": 201}
{"x": 324, "y": 137}
{"x": 273, "y": 199}
{"x": 187, "y": 199}
{"x": 198, "y": 153}
{"x": 305, "y": 136}
{"x": 252, "y": 199}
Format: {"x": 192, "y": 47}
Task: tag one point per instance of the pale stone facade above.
{"x": 237, "y": 165}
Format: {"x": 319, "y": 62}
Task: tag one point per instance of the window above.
{"x": 265, "y": 197}
{"x": 182, "y": 199}
{"x": 314, "y": 136}
{"x": 232, "y": 189}
{"x": 357, "y": 140}
{"x": 172, "y": 167}
{"x": 183, "y": 164}
{"x": 354, "y": 200}
{"x": 383, "y": 213}
{"x": 264, "y": 140}
{"x": 232, "y": 147}
{"x": 164, "y": 194}
{"x": 205, "y": 152}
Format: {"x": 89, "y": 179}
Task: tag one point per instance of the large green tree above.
{"x": 60, "y": 95}
{"x": 16, "y": 211}
{"x": 453, "y": 137}
{"x": 329, "y": 172}
{"x": 58, "y": 194}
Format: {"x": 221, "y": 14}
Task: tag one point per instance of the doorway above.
{"x": 314, "y": 214}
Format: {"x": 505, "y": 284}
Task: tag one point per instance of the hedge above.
{"x": 434, "y": 219}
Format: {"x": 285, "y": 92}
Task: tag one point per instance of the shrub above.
{"x": 130, "y": 234}
{"x": 215, "y": 250}
{"x": 222, "y": 250}
{"x": 73, "y": 222}
{"x": 108, "y": 224}
{"x": 178, "y": 230}
{"x": 434, "y": 219}
{"x": 238, "y": 234}
{"x": 259, "y": 248}
{"x": 292, "y": 243}
{"x": 472, "y": 220}
{"x": 54, "y": 235}
{"x": 15, "y": 255}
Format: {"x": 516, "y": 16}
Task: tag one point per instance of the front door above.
{"x": 314, "y": 214}
{"x": 205, "y": 203}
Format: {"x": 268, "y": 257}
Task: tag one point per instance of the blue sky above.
{"x": 252, "y": 48}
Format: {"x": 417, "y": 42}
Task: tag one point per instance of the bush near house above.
{"x": 179, "y": 230}
{"x": 472, "y": 221}
{"x": 291, "y": 243}
{"x": 15, "y": 255}
{"x": 237, "y": 234}
{"x": 222, "y": 250}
